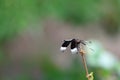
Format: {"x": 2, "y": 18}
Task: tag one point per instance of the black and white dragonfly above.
{"x": 75, "y": 45}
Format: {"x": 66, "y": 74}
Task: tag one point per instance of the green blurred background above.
{"x": 31, "y": 33}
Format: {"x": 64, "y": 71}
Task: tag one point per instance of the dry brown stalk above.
{"x": 82, "y": 53}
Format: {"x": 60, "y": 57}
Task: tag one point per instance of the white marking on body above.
{"x": 63, "y": 49}
{"x": 74, "y": 51}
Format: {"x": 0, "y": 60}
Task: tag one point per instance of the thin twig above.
{"x": 84, "y": 63}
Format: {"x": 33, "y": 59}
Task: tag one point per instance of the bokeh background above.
{"x": 31, "y": 33}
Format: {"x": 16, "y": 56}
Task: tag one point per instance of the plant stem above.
{"x": 85, "y": 66}
{"x": 84, "y": 63}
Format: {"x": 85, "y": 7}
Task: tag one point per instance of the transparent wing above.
{"x": 88, "y": 46}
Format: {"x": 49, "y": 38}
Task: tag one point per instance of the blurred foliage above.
{"x": 75, "y": 71}
{"x": 77, "y": 11}
{"x": 16, "y": 15}
{"x": 111, "y": 17}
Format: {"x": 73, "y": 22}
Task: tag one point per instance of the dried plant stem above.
{"x": 84, "y": 63}
{"x": 85, "y": 66}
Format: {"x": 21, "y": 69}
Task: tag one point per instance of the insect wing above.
{"x": 74, "y": 46}
{"x": 64, "y": 45}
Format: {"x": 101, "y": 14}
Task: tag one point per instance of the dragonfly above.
{"x": 74, "y": 45}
